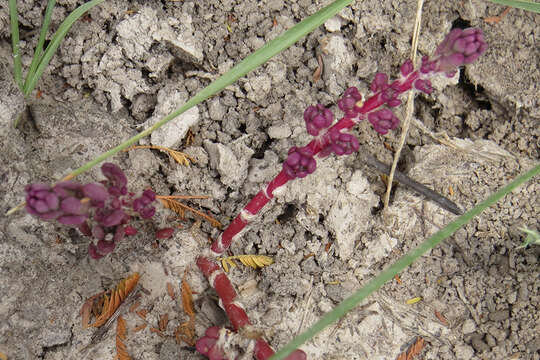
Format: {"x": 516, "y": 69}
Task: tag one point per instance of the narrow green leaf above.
{"x": 406, "y": 260}
{"x": 60, "y": 34}
{"x": 528, "y": 5}
{"x": 17, "y": 65}
{"x": 39, "y": 47}
{"x": 250, "y": 63}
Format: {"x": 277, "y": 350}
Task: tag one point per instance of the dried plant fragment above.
{"x": 163, "y": 322}
{"x": 254, "y": 261}
{"x": 139, "y": 327}
{"x": 3, "y": 356}
{"x": 413, "y": 350}
{"x": 178, "y": 156}
{"x": 134, "y": 307}
{"x": 441, "y": 318}
{"x": 121, "y": 350}
{"x": 86, "y": 309}
{"x": 116, "y": 297}
{"x": 318, "y": 72}
{"x": 186, "y": 331}
{"x": 170, "y": 290}
{"x": 180, "y": 209}
{"x": 142, "y": 313}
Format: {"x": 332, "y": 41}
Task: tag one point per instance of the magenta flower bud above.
{"x": 299, "y": 163}
{"x": 110, "y": 218}
{"x": 117, "y": 179}
{"x": 95, "y": 192}
{"x": 74, "y": 206}
{"x": 347, "y": 103}
{"x": 65, "y": 189}
{"x": 317, "y": 118}
{"x": 380, "y": 82}
{"x": 204, "y": 344}
{"x": 383, "y": 120}
{"x": 104, "y": 247}
{"x": 93, "y": 252}
{"x": 340, "y": 144}
{"x": 423, "y": 85}
{"x": 147, "y": 212}
{"x": 164, "y": 233}
{"x": 119, "y": 234}
{"x": 42, "y": 202}
{"x": 130, "y": 230}
{"x": 149, "y": 194}
{"x": 98, "y": 232}
{"x": 407, "y": 67}
{"x": 84, "y": 228}
{"x": 72, "y": 219}
{"x": 460, "y": 47}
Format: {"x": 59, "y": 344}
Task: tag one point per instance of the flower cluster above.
{"x": 101, "y": 211}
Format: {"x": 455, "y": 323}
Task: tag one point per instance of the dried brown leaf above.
{"x": 134, "y": 307}
{"x": 178, "y": 156}
{"x": 142, "y": 313}
{"x": 86, "y": 309}
{"x": 441, "y": 318}
{"x": 181, "y": 209}
{"x": 163, "y": 321}
{"x": 318, "y": 72}
{"x": 139, "y": 327}
{"x": 170, "y": 290}
{"x": 121, "y": 350}
{"x": 3, "y": 356}
{"x": 116, "y": 297}
{"x": 415, "y": 349}
{"x": 254, "y": 261}
{"x": 187, "y": 298}
{"x": 157, "y": 331}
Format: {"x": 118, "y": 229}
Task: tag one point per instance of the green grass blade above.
{"x": 39, "y": 48}
{"x": 528, "y": 5}
{"x": 17, "y": 65}
{"x": 60, "y": 34}
{"x": 250, "y": 63}
{"x": 407, "y": 259}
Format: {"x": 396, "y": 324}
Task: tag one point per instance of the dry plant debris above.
{"x": 170, "y": 203}
{"x": 254, "y": 261}
{"x": 441, "y": 318}
{"x": 186, "y": 331}
{"x": 104, "y": 304}
{"x": 415, "y": 349}
{"x": 170, "y": 291}
{"x": 3, "y": 356}
{"x": 178, "y": 156}
{"x": 121, "y": 350}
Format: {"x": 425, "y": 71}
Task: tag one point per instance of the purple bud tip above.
{"x": 104, "y": 247}
{"x": 113, "y": 218}
{"x": 130, "y": 230}
{"x": 423, "y": 85}
{"x": 348, "y": 102}
{"x": 340, "y": 144}
{"x": 407, "y": 67}
{"x": 380, "y": 82}
{"x": 164, "y": 233}
{"x": 317, "y": 118}
{"x": 116, "y": 177}
{"x": 383, "y": 120}
{"x": 299, "y": 163}
{"x": 72, "y": 219}
{"x": 460, "y": 47}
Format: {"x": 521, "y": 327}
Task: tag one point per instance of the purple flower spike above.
{"x": 42, "y": 202}
{"x": 383, "y": 120}
{"x": 299, "y": 163}
{"x": 423, "y": 85}
{"x": 348, "y": 102}
{"x": 407, "y": 67}
{"x": 460, "y": 47}
{"x": 317, "y": 118}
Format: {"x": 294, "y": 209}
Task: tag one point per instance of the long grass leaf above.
{"x": 406, "y": 260}
{"x": 17, "y": 65}
{"x": 520, "y": 4}
{"x": 39, "y": 47}
{"x": 55, "y": 43}
{"x": 250, "y": 63}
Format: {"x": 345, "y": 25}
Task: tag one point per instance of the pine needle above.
{"x": 254, "y": 261}
{"x": 178, "y": 156}
{"x": 181, "y": 209}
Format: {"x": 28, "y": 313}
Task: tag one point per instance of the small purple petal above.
{"x": 98, "y": 232}
{"x": 105, "y": 247}
{"x": 93, "y": 252}
{"x": 96, "y": 192}
{"x": 407, "y": 67}
{"x": 71, "y": 219}
{"x": 113, "y": 218}
{"x": 147, "y": 212}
